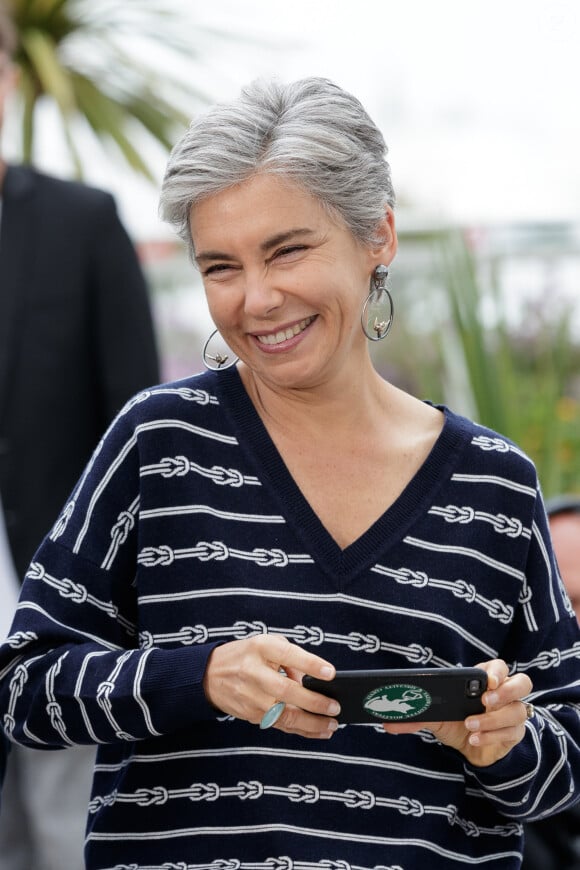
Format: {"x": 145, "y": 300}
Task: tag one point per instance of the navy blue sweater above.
{"x": 187, "y": 530}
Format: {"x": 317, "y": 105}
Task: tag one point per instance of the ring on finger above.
{"x": 530, "y": 710}
{"x": 272, "y": 715}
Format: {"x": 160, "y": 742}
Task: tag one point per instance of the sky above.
{"x": 478, "y": 101}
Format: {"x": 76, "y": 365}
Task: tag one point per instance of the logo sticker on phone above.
{"x": 397, "y": 701}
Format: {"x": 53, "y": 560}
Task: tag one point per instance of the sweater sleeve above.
{"x": 541, "y": 775}
{"x": 72, "y": 669}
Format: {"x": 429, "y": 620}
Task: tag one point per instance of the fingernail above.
{"x": 474, "y": 739}
{"x": 326, "y": 671}
{"x": 332, "y": 727}
{"x": 472, "y": 724}
{"x": 333, "y": 709}
{"x": 492, "y": 699}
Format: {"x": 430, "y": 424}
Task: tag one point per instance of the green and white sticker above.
{"x": 397, "y": 701}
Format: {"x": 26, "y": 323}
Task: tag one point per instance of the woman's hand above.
{"x": 243, "y": 679}
{"x": 485, "y": 738}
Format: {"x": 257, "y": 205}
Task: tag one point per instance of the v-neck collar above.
{"x": 386, "y": 531}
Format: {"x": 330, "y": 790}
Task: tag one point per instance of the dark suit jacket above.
{"x": 76, "y": 341}
{"x": 3, "y": 757}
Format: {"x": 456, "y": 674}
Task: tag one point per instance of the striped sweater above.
{"x": 186, "y": 530}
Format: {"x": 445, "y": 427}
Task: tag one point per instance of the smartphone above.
{"x": 404, "y": 694}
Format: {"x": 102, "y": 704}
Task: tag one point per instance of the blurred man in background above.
{"x": 3, "y": 754}
{"x": 76, "y": 341}
{"x": 554, "y": 844}
{"x": 564, "y": 515}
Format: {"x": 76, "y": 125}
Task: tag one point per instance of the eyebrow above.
{"x": 266, "y": 245}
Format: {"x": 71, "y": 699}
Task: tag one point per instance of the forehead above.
{"x": 261, "y": 205}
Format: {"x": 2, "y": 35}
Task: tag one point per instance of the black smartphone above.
{"x": 401, "y": 694}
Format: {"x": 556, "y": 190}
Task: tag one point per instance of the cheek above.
{"x": 221, "y": 304}
{"x": 219, "y": 317}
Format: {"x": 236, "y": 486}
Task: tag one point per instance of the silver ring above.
{"x": 272, "y": 715}
{"x": 530, "y": 711}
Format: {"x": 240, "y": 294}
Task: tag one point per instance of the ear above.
{"x": 385, "y": 249}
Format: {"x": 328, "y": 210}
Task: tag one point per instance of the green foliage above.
{"x": 518, "y": 376}
{"x": 85, "y": 56}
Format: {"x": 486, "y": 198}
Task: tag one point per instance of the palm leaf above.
{"x": 520, "y": 383}
{"x": 53, "y": 78}
{"x": 480, "y": 360}
{"x": 107, "y": 119}
{"x": 77, "y": 54}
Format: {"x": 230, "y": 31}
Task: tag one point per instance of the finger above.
{"x": 513, "y": 688}
{"x": 510, "y": 735}
{"x": 508, "y": 716}
{"x": 294, "y": 658}
{"x": 288, "y": 663}
{"x": 243, "y": 677}
{"x": 497, "y": 671}
{"x": 407, "y": 727}
{"x": 296, "y": 721}
{"x": 281, "y": 655}
{"x": 282, "y": 688}
{"x": 314, "y": 735}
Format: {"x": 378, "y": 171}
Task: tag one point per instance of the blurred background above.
{"x": 478, "y": 102}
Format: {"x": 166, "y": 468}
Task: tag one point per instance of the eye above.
{"x": 216, "y": 269}
{"x": 288, "y": 250}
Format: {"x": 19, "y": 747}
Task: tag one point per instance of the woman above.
{"x": 287, "y": 515}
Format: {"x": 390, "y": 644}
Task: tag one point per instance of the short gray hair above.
{"x": 311, "y": 132}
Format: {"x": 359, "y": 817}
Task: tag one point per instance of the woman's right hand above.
{"x": 243, "y": 679}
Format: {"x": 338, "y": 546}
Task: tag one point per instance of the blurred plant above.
{"x": 105, "y": 64}
{"x": 523, "y": 379}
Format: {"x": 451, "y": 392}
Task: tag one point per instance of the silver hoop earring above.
{"x": 373, "y": 325}
{"x": 217, "y": 361}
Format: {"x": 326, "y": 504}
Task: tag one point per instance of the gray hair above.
{"x": 311, "y": 132}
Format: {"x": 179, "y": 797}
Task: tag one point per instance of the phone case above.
{"x": 397, "y": 695}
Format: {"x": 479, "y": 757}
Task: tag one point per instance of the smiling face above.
{"x": 284, "y": 280}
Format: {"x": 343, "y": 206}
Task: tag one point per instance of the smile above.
{"x": 285, "y": 334}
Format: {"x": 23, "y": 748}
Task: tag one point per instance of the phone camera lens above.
{"x": 474, "y": 688}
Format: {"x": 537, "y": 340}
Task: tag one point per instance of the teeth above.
{"x": 285, "y": 334}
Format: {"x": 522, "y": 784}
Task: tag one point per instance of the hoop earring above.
{"x": 373, "y": 303}
{"x": 216, "y": 361}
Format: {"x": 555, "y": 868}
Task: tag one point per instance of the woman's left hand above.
{"x": 484, "y": 738}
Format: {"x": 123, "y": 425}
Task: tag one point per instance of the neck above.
{"x": 339, "y": 406}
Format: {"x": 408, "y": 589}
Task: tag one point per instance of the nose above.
{"x": 262, "y": 295}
